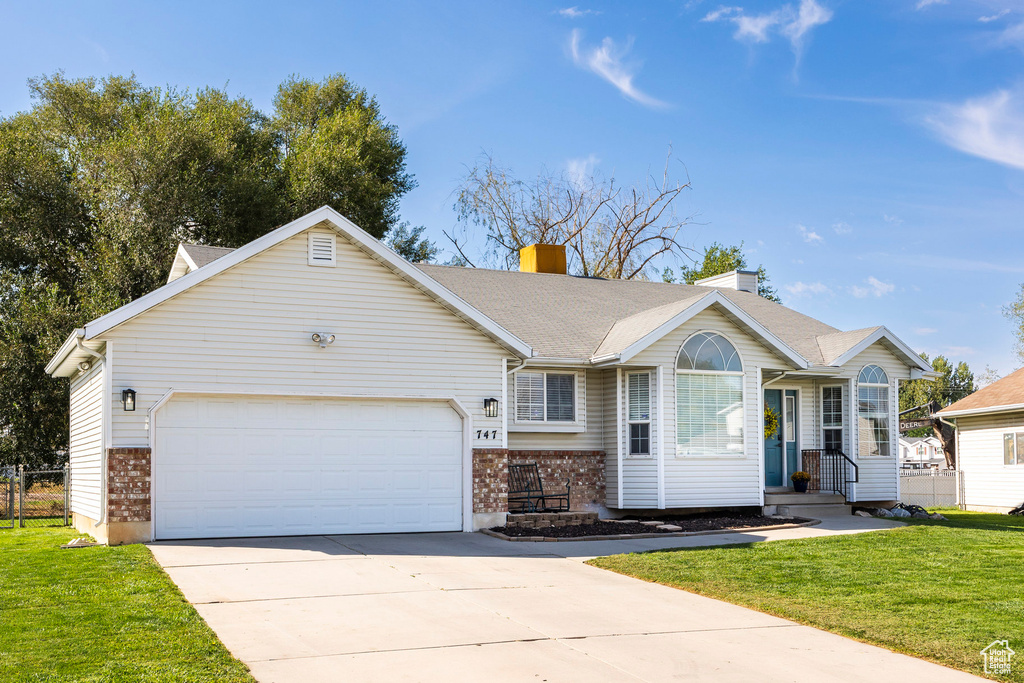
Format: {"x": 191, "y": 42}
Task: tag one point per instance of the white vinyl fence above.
{"x": 931, "y": 488}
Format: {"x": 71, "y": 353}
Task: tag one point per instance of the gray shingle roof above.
{"x": 202, "y": 254}
{"x": 563, "y": 316}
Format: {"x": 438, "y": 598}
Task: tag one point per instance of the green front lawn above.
{"x": 937, "y": 590}
{"x": 98, "y": 614}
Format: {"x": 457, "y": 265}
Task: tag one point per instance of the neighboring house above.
{"x": 990, "y": 444}
{"x": 315, "y": 382}
{"x": 921, "y": 452}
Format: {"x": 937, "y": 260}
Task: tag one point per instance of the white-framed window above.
{"x": 873, "y": 411}
{"x": 545, "y": 397}
{"x": 638, "y": 412}
{"x": 790, "y": 424}
{"x": 832, "y": 418}
{"x": 1013, "y": 448}
{"x": 709, "y": 397}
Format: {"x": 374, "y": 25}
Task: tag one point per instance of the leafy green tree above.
{"x": 100, "y": 180}
{"x": 955, "y": 383}
{"x": 1014, "y": 312}
{"x": 410, "y": 245}
{"x": 719, "y": 259}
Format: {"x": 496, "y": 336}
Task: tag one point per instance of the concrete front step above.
{"x": 803, "y": 499}
{"x": 814, "y": 511}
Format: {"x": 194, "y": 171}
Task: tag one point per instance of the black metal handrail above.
{"x": 830, "y": 470}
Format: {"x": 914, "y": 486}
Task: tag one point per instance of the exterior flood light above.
{"x": 323, "y": 339}
{"x": 128, "y": 400}
{"x": 491, "y": 407}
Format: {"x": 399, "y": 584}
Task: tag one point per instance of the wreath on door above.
{"x": 771, "y": 422}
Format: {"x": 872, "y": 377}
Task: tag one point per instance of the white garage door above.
{"x": 263, "y": 466}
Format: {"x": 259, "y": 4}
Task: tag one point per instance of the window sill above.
{"x": 548, "y": 427}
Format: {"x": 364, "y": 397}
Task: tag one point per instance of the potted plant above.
{"x": 800, "y": 481}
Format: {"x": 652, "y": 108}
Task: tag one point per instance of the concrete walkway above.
{"x": 468, "y": 607}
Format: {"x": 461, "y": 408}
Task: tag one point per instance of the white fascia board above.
{"x": 64, "y": 351}
{"x": 913, "y": 360}
{"x": 715, "y": 297}
{"x": 546, "y": 362}
{"x": 1012, "y": 408}
{"x": 351, "y": 231}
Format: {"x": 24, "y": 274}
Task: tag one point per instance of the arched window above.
{"x": 708, "y": 351}
{"x": 709, "y": 397}
{"x": 873, "y": 411}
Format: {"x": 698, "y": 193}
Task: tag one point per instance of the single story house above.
{"x": 990, "y": 444}
{"x": 921, "y": 452}
{"x": 315, "y": 382}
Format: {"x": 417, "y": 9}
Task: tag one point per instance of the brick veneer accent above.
{"x": 490, "y": 480}
{"x": 583, "y": 469}
{"x": 128, "y": 484}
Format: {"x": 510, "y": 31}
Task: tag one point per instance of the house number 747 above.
{"x": 485, "y": 434}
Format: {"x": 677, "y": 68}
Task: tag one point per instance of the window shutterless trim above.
{"x": 544, "y": 401}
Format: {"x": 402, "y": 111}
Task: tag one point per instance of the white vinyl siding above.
{"x": 248, "y": 330}
{"x": 692, "y": 481}
{"x": 609, "y": 436}
{"x": 879, "y": 476}
{"x": 87, "y": 442}
{"x": 585, "y": 433}
{"x": 988, "y": 481}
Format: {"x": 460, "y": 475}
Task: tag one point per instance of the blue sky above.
{"x": 870, "y": 154}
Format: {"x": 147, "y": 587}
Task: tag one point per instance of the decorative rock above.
{"x": 936, "y": 515}
{"x": 899, "y": 512}
{"x": 652, "y": 523}
{"x": 670, "y": 527}
{"x": 626, "y": 521}
{"x": 921, "y": 515}
{"x": 883, "y": 513}
{"x": 863, "y": 513}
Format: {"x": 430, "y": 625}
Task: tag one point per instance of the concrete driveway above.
{"x": 468, "y": 607}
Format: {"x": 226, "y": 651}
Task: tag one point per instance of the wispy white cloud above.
{"x": 960, "y": 351}
{"x": 874, "y": 287}
{"x": 990, "y": 127}
{"x": 792, "y": 23}
{"x": 925, "y": 330}
{"x": 810, "y": 236}
{"x": 576, "y": 12}
{"x": 892, "y": 220}
{"x": 579, "y": 170}
{"x": 721, "y": 12}
{"x": 607, "y": 62}
{"x": 807, "y": 288}
{"x": 921, "y": 4}
{"x": 841, "y": 228}
{"x": 993, "y": 17}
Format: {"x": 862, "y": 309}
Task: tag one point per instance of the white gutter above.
{"x": 776, "y": 379}
{"x": 980, "y": 411}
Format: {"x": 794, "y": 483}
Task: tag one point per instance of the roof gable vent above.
{"x": 322, "y": 249}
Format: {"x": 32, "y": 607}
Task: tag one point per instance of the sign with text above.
{"x": 907, "y": 425}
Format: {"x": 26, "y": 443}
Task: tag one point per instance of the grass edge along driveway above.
{"x": 99, "y": 614}
{"x": 941, "y": 591}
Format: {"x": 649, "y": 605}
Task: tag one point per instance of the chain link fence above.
{"x": 33, "y": 498}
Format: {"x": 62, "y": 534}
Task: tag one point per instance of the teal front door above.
{"x": 773, "y": 450}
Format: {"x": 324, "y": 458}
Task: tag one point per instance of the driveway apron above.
{"x": 468, "y": 607}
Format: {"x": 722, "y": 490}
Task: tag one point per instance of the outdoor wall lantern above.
{"x": 491, "y": 407}
{"x": 128, "y": 399}
{"x": 323, "y": 339}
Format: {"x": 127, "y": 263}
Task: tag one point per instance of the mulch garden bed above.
{"x": 689, "y": 524}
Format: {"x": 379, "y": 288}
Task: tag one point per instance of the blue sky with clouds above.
{"x": 869, "y": 153}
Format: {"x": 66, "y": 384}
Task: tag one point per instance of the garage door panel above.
{"x": 237, "y": 466}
